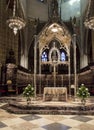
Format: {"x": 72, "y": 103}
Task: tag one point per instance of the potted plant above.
{"x": 28, "y": 93}
{"x": 83, "y": 93}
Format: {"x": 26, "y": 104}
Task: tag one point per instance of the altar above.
{"x": 55, "y": 92}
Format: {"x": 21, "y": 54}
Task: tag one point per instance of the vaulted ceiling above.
{"x": 66, "y": 8}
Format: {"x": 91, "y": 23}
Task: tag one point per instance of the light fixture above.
{"x": 89, "y": 21}
{"x": 54, "y": 30}
{"x": 15, "y": 22}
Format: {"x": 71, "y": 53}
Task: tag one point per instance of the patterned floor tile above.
{"x": 86, "y": 126}
{"x": 68, "y": 116}
{"x": 92, "y": 117}
{"x": 82, "y": 118}
{"x": 6, "y": 128}
{"x": 54, "y": 117}
{"x": 21, "y": 115}
{"x": 4, "y": 115}
{"x": 14, "y": 121}
{"x": 2, "y": 125}
{"x": 30, "y": 117}
{"x": 56, "y": 126}
{"x": 71, "y": 122}
{"x": 45, "y": 122}
{"x": 91, "y": 122}
{"x": 41, "y": 122}
{"x": 74, "y": 129}
{"x": 24, "y": 126}
{"x": 39, "y": 128}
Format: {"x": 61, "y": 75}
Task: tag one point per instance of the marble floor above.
{"x": 9, "y": 121}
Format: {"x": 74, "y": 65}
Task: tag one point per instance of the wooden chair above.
{"x": 11, "y": 90}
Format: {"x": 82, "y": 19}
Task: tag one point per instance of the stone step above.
{"x": 55, "y": 107}
{"x": 28, "y": 110}
{"x": 67, "y": 112}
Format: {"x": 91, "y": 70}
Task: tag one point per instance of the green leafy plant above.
{"x": 28, "y": 91}
{"x": 83, "y": 93}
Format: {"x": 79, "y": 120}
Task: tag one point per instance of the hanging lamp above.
{"x": 89, "y": 21}
{"x": 15, "y": 22}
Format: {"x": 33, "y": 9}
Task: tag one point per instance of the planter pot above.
{"x": 28, "y": 101}
{"x": 83, "y": 101}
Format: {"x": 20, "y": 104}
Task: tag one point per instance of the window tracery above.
{"x": 44, "y": 56}
{"x": 63, "y": 56}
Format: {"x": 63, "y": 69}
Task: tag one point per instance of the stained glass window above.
{"x": 44, "y": 56}
{"x": 63, "y": 56}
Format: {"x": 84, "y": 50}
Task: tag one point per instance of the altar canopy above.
{"x": 52, "y": 50}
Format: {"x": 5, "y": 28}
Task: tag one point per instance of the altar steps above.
{"x": 38, "y": 109}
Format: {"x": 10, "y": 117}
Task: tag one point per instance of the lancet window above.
{"x": 63, "y": 56}
{"x": 44, "y": 56}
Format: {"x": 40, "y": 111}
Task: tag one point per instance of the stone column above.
{"x": 69, "y": 72}
{"x": 40, "y": 71}
{"x": 92, "y": 46}
{"x": 35, "y": 62}
{"x": 75, "y": 66}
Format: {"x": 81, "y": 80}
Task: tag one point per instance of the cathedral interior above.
{"x": 48, "y": 44}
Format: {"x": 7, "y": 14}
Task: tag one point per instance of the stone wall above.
{"x": 7, "y": 38}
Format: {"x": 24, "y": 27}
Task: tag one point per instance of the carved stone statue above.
{"x": 54, "y": 9}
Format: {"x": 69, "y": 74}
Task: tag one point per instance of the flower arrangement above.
{"x": 83, "y": 93}
{"x": 28, "y": 93}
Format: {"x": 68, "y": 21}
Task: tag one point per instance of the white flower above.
{"x": 32, "y": 88}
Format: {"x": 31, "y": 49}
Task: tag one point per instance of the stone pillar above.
{"x": 92, "y": 46}
{"x": 69, "y": 72}
{"x": 40, "y": 86}
{"x": 75, "y": 66}
{"x": 35, "y": 63}
{"x": 83, "y": 60}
